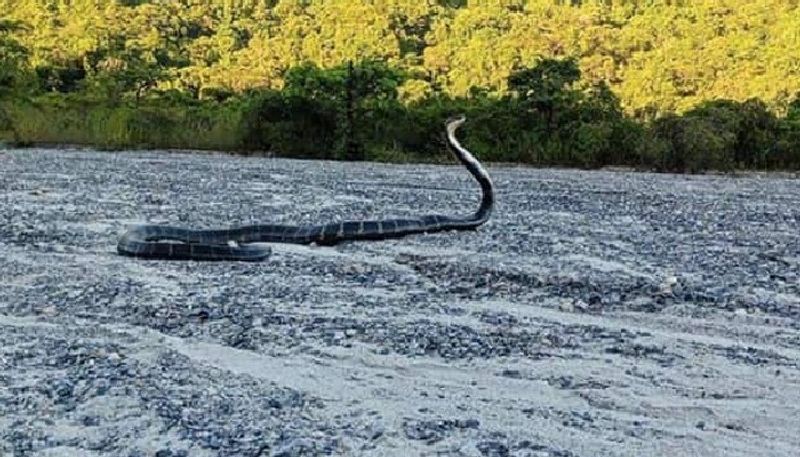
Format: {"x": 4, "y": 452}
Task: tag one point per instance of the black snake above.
{"x": 165, "y": 242}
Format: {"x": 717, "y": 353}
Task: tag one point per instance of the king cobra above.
{"x": 176, "y": 243}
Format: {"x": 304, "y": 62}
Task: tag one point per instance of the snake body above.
{"x": 176, "y": 243}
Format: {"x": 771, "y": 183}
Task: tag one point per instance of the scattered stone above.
{"x": 432, "y": 431}
{"x": 94, "y": 329}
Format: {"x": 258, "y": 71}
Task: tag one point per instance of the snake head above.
{"x": 454, "y": 122}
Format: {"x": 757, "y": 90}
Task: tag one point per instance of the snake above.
{"x": 245, "y": 243}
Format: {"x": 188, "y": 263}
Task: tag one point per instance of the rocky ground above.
{"x": 596, "y": 314}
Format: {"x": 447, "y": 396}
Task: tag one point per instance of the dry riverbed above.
{"x": 596, "y": 314}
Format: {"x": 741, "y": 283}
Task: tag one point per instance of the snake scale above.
{"x": 240, "y": 243}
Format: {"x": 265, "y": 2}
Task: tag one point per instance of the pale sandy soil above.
{"x": 596, "y": 314}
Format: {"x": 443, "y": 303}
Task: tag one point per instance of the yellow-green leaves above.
{"x": 657, "y": 55}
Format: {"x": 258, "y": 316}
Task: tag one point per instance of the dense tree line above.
{"x": 658, "y": 84}
{"x": 661, "y": 55}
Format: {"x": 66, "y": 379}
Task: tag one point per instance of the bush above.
{"x": 752, "y": 125}
{"x": 691, "y": 144}
{"x": 290, "y": 125}
{"x": 787, "y": 148}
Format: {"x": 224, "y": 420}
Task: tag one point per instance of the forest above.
{"x": 667, "y": 85}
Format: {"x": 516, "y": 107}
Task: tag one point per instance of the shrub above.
{"x": 691, "y": 144}
{"x": 751, "y": 124}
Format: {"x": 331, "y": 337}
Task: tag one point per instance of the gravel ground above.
{"x": 596, "y": 314}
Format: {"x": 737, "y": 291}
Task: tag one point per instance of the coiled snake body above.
{"x": 176, "y": 243}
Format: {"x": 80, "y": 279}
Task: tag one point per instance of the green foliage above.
{"x": 793, "y": 111}
{"x": 339, "y": 104}
{"x": 279, "y": 123}
{"x": 787, "y": 149}
{"x": 67, "y": 77}
{"x": 665, "y": 56}
{"x": 690, "y": 144}
{"x": 13, "y": 57}
{"x": 76, "y": 119}
{"x": 563, "y": 122}
{"x": 750, "y": 123}
{"x": 709, "y": 84}
{"x": 723, "y": 135}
